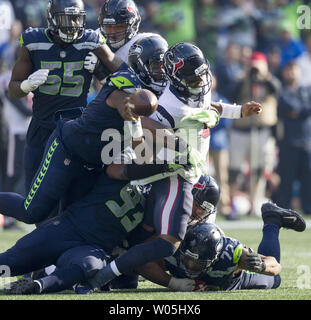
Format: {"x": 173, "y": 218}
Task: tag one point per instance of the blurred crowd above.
{"x": 256, "y": 52}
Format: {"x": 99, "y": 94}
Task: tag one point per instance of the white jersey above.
{"x": 176, "y": 113}
{"x": 173, "y": 112}
{"x": 123, "y": 52}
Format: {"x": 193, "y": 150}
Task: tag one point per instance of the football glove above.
{"x": 90, "y": 62}
{"x": 184, "y": 284}
{"x": 254, "y": 262}
{"x": 208, "y": 116}
{"x": 35, "y": 80}
{"x": 200, "y": 286}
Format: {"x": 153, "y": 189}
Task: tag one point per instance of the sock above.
{"x": 270, "y": 245}
{"x": 273, "y": 219}
{"x": 62, "y": 279}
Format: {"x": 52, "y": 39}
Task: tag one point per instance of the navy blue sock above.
{"x": 133, "y": 258}
{"x": 270, "y": 245}
{"x": 144, "y": 253}
{"x": 62, "y": 279}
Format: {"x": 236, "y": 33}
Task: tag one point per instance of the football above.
{"x": 143, "y": 102}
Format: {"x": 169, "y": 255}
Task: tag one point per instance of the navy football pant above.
{"x": 32, "y": 159}
{"x": 269, "y": 246}
{"x": 53, "y": 179}
{"x": 55, "y": 242}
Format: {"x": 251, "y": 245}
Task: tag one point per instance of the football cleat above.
{"x": 287, "y": 218}
{"x": 24, "y": 286}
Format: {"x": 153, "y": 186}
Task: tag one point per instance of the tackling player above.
{"x": 184, "y": 105}
{"x": 74, "y": 148}
{"x": 208, "y": 260}
{"x": 80, "y": 241}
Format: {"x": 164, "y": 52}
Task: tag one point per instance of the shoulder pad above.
{"x": 34, "y": 35}
{"x": 124, "y": 80}
{"x": 93, "y": 36}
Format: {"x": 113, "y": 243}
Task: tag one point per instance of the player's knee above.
{"x": 90, "y": 265}
{"x": 165, "y": 248}
{"x": 277, "y": 282}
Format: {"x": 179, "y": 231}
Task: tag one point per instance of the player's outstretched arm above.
{"x": 259, "y": 263}
{"x": 233, "y": 111}
{"x": 155, "y": 272}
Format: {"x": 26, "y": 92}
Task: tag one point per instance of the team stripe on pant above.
{"x": 35, "y": 186}
{"x": 167, "y": 210}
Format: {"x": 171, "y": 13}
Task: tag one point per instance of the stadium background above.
{"x": 229, "y": 33}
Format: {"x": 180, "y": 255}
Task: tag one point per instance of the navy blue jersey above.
{"x": 108, "y": 213}
{"x": 219, "y": 276}
{"x": 84, "y": 136}
{"x": 68, "y": 82}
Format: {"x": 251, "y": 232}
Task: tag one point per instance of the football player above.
{"x": 80, "y": 241}
{"x": 184, "y": 105}
{"x": 208, "y": 260}
{"x": 119, "y": 22}
{"x": 74, "y": 148}
{"x": 50, "y": 64}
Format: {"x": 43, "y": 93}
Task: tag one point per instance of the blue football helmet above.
{"x": 200, "y": 249}
{"x": 145, "y": 59}
{"x": 119, "y": 12}
{"x": 188, "y": 70}
{"x": 206, "y": 194}
{"x": 66, "y": 19}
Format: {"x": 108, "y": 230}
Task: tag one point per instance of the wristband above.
{"x": 135, "y": 128}
{"x": 25, "y": 87}
{"x": 231, "y": 111}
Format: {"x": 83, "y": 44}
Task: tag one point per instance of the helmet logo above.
{"x": 71, "y": 10}
{"x": 136, "y": 50}
{"x": 178, "y": 65}
{"x": 199, "y": 186}
{"x": 130, "y": 9}
{"x": 191, "y": 254}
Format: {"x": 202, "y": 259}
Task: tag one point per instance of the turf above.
{"x": 295, "y": 260}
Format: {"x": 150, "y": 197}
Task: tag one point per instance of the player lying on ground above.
{"x": 80, "y": 241}
{"x": 208, "y": 260}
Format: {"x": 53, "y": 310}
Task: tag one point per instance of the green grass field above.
{"x": 295, "y": 260}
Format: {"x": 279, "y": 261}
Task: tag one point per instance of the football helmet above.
{"x": 66, "y": 19}
{"x": 206, "y": 194}
{"x": 145, "y": 59}
{"x": 119, "y": 12}
{"x": 188, "y": 70}
{"x": 200, "y": 248}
